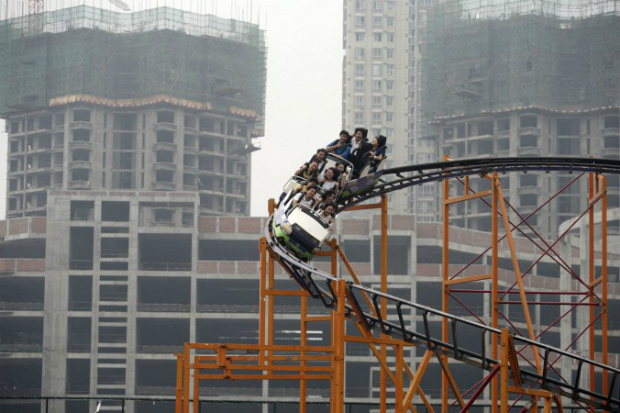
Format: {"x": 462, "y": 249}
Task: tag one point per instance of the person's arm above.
{"x": 332, "y": 146}
{"x": 301, "y": 169}
{"x": 345, "y": 153}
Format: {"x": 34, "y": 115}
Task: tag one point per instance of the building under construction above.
{"x": 161, "y": 99}
{"x": 524, "y": 78}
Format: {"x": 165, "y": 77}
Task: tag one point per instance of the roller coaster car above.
{"x": 300, "y": 230}
{"x": 369, "y": 177}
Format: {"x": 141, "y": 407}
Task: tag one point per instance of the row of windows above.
{"x": 377, "y": 53}
{"x": 377, "y": 22}
{"x": 377, "y": 37}
{"x": 563, "y": 126}
{"x": 377, "y": 5}
{"x": 377, "y": 69}
{"x": 377, "y": 101}
{"x": 376, "y": 117}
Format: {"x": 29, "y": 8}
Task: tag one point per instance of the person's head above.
{"x": 313, "y": 166}
{"x": 340, "y": 166}
{"x": 329, "y": 196}
{"x": 330, "y": 173}
{"x": 374, "y": 142}
{"x": 360, "y": 133}
{"x": 344, "y": 136}
{"x": 310, "y": 191}
{"x": 329, "y": 209}
{"x": 381, "y": 140}
{"x": 313, "y": 181}
{"x": 321, "y": 154}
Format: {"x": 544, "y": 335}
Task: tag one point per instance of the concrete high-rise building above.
{"x": 124, "y": 129}
{"x": 524, "y": 78}
{"x": 376, "y": 75}
{"x": 156, "y": 100}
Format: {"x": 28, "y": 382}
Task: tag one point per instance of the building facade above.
{"x": 521, "y": 79}
{"x": 98, "y": 296}
{"x": 157, "y": 100}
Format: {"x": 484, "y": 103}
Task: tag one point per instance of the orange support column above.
{"x": 337, "y": 396}
{"x": 179, "y": 387}
{"x": 445, "y": 264}
{"x": 494, "y": 281}
{"x": 591, "y": 269}
{"x": 504, "y": 371}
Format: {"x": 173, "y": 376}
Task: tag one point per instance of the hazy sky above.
{"x": 304, "y": 89}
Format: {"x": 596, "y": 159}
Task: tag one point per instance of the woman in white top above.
{"x": 328, "y": 183}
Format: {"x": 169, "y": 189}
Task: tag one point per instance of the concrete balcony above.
{"x": 80, "y": 145}
{"x": 164, "y": 186}
{"x": 528, "y": 131}
{"x": 164, "y": 166}
{"x": 165, "y": 146}
{"x": 611, "y": 153}
{"x": 81, "y": 125}
{"x": 529, "y": 190}
{"x": 529, "y": 151}
{"x": 79, "y": 185}
{"x": 610, "y": 132}
{"x": 166, "y": 126}
{"x": 79, "y": 165}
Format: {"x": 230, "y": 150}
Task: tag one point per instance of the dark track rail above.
{"x": 405, "y": 176}
{"x": 319, "y": 285}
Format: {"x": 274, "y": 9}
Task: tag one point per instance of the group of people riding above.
{"x": 320, "y": 185}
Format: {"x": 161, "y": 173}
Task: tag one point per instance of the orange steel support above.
{"x": 597, "y": 195}
{"x": 267, "y": 361}
{"x": 445, "y": 274}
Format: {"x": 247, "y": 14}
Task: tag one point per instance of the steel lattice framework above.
{"x": 517, "y": 364}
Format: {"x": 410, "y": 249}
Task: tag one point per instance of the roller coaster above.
{"x": 521, "y": 371}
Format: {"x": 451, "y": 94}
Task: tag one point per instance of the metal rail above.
{"x": 406, "y": 176}
{"x": 319, "y": 285}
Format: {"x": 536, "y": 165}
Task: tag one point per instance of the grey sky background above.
{"x": 304, "y": 88}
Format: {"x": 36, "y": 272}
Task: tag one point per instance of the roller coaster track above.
{"x": 364, "y": 303}
{"x": 406, "y": 176}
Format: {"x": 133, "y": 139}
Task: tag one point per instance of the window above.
{"x": 376, "y": 69}
{"x": 377, "y": 5}
{"x": 360, "y": 22}
{"x": 360, "y": 5}
{"x": 390, "y": 37}
{"x": 359, "y": 101}
{"x": 425, "y": 206}
{"x": 376, "y": 101}
{"x": 359, "y": 37}
{"x": 377, "y": 53}
{"x": 377, "y": 22}
{"x": 377, "y": 37}
{"x": 389, "y": 53}
{"x": 390, "y": 4}
{"x": 359, "y": 117}
{"x": 359, "y": 69}
{"x": 389, "y": 70}
{"x": 389, "y": 85}
{"x": 359, "y": 85}
{"x": 426, "y": 189}
{"x": 376, "y": 85}
{"x": 390, "y": 21}
{"x": 376, "y": 117}
{"x": 389, "y": 101}
{"x": 389, "y": 117}
{"x": 359, "y": 52}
